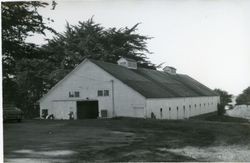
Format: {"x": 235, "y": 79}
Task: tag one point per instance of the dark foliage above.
{"x": 220, "y": 109}
{"x": 225, "y": 98}
{"x": 30, "y": 71}
{"x": 90, "y": 40}
{"x": 20, "y": 20}
{"x": 244, "y": 97}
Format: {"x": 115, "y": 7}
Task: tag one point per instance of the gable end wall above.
{"x": 88, "y": 79}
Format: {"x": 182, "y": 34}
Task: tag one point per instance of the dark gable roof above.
{"x": 156, "y": 84}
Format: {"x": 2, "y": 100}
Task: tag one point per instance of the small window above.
{"x": 71, "y": 94}
{"x": 161, "y": 112}
{"x": 45, "y": 111}
{"x": 99, "y": 93}
{"x": 204, "y": 104}
{"x": 189, "y": 106}
{"x": 106, "y": 92}
{"x": 122, "y": 63}
{"x": 200, "y": 105}
{"x": 177, "y": 108}
{"x": 183, "y": 106}
{"x": 77, "y": 94}
{"x": 104, "y": 113}
{"x": 169, "y": 108}
{"x": 195, "y": 105}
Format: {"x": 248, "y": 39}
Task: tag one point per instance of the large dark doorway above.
{"x": 87, "y": 109}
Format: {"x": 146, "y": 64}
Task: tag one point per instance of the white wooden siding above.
{"x": 154, "y": 106}
{"x": 61, "y": 109}
{"x": 88, "y": 80}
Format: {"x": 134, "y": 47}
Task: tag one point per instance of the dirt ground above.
{"x": 127, "y": 139}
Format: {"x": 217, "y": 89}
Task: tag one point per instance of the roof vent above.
{"x": 170, "y": 70}
{"x": 127, "y": 62}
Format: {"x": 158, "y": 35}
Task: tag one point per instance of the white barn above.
{"x": 96, "y": 89}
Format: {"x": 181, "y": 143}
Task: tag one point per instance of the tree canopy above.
{"x": 244, "y": 97}
{"x": 19, "y": 21}
{"x": 29, "y": 71}
{"x": 88, "y": 39}
{"x": 225, "y": 99}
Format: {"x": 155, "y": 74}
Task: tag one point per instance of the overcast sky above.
{"x": 206, "y": 39}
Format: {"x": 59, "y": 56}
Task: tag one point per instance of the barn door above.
{"x": 87, "y": 109}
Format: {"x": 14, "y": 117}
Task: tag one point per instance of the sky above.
{"x": 206, "y": 39}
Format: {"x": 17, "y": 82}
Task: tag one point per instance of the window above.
{"x": 103, "y": 93}
{"x": 74, "y": 94}
{"x": 183, "y": 106}
{"x": 195, "y": 105}
{"x": 106, "y": 92}
{"x": 161, "y": 112}
{"x": 177, "y": 108}
{"x": 100, "y": 93}
{"x": 189, "y": 106}
{"x": 104, "y": 113}
{"x": 204, "y": 104}
{"x": 169, "y": 108}
{"x": 71, "y": 94}
{"x": 200, "y": 105}
{"x": 122, "y": 63}
{"x": 77, "y": 94}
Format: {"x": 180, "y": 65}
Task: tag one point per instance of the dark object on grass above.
{"x": 11, "y": 112}
{"x": 71, "y": 115}
{"x": 153, "y": 115}
{"x": 51, "y": 116}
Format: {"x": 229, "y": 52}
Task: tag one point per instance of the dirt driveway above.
{"x": 125, "y": 140}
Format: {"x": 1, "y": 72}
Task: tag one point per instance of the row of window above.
{"x": 189, "y": 106}
{"x": 103, "y": 93}
{"x": 99, "y": 93}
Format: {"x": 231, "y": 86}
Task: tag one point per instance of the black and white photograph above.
{"x": 125, "y": 81}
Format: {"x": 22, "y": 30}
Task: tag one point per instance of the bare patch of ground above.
{"x": 215, "y": 153}
{"x": 126, "y": 139}
{"x": 46, "y": 153}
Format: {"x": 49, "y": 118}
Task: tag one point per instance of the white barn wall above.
{"x": 87, "y": 79}
{"x": 154, "y": 105}
{"x": 61, "y": 109}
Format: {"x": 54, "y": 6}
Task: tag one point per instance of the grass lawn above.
{"x": 126, "y": 139}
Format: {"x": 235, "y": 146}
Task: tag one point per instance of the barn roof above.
{"x": 156, "y": 84}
